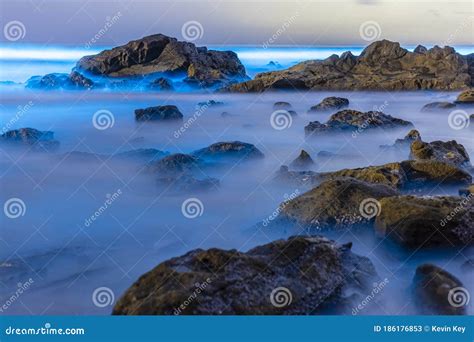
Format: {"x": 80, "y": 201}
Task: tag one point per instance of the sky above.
{"x": 91, "y": 23}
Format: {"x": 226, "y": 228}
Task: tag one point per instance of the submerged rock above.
{"x": 37, "y": 140}
{"x": 436, "y": 291}
{"x": 175, "y": 164}
{"x": 158, "y": 113}
{"x": 282, "y": 105}
{"x": 60, "y": 81}
{"x": 336, "y": 204}
{"x": 406, "y": 142}
{"x": 330, "y": 103}
{"x": 466, "y": 97}
{"x": 438, "y": 106}
{"x": 161, "y": 83}
{"x": 446, "y": 151}
{"x": 233, "y": 149}
{"x": 353, "y": 121}
{"x": 304, "y": 160}
{"x": 295, "y": 178}
{"x": 383, "y": 65}
{"x": 301, "y": 275}
{"x": 422, "y": 222}
{"x": 162, "y": 54}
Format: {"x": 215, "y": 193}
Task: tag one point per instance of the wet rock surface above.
{"x": 438, "y": 106}
{"x": 446, "y": 151}
{"x": 301, "y": 275}
{"x": 466, "y": 97}
{"x": 330, "y": 103}
{"x": 159, "y": 113}
{"x": 303, "y": 161}
{"x": 31, "y": 137}
{"x": 232, "y": 150}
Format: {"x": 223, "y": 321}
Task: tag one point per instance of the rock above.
{"x": 226, "y": 115}
{"x": 446, "y": 151}
{"x": 161, "y": 83}
{"x": 420, "y": 49}
{"x": 466, "y": 97}
{"x": 298, "y": 276}
{"x": 175, "y": 164}
{"x": 60, "y": 81}
{"x": 383, "y": 65}
{"x": 209, "y": 103}
{"x": 330, "y": 103}
{"x": 352, "y": 121}
{"x": 233, "y": 149}
{"x": 282, "y": 105}
{"x": 35, "y": 139}
{"x": 295, "y": 178}
{"x": 335, "y": 204}
{"x": 436, "y": 290}
{"x": 162, "y": 54}
{"x": 437, "y": 106}
{"x": 159, "y": 113}
{"x": 406, "y": 142}
{"x": 423, "y": 222}
{"x": 468, "y": 191}
{"x": 304, "y": 160}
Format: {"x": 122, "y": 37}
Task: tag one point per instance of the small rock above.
{"x": 38, "y": 140}
{"x": 282, "y": 105}
{"x": 330, "y": 103}
{"x": 158, "y": 113}
{"x": 438, "y": 106}
{"x": 446, "y": 151}
{"x": 466, "y": 97}
{"x": 161, "y": 83}
{"x": 234, "y": 149}
{"x": 304, "y": 160}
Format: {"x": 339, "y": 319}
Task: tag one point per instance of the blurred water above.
{"x": 68, "y": 259}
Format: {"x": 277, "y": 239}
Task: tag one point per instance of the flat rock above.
{"x": 330, "y": 103}
{"x": 159, "y": 113}
{"x": 423, "y": 222}
{"x": 336, "y": 204}
{"x": 35, "y": 139}
{"x": 383, "y": 65}
{"x": 446, "y": 151}
{"x": 298, "y": 276}
{"x": 352, "y": 120}
{"x": 282, "y": 105}
{"x": 232, "y": 149}
{"x": 438, "y": 106}
{"x": 436, "y": 291}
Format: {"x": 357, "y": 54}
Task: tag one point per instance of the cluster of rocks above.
{"x": 463, "y": 99}
{"x": 32, "y": 138}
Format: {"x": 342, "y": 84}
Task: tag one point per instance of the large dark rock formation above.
{"x": 301, "y": 275}
{"x": 445, "y": 151}
{"x": 383, "y": 65}
{"x": 32, "y": 138}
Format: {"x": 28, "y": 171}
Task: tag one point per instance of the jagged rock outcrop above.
{"x": 466, "y": 97}
{"x": 330, "y": 103}
{"x": 298, "y": 276}
{"x": 232, "y": 149}
{"x": 303, "y": 161}
{"x": 159, "y": 113}
{"x": 32, "y": 138}
{"x": 446, "y": 151}
{"x": 383, "y": 65}
{"x": 406, "y": 142}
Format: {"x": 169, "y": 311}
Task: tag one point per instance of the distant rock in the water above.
{"x": 273, "y": 64}
{"x": 235, "y": 149}
{"x": 469, "y": 191}
{"x": 161, "y": 83}
{"x": 406, "y": 142}
{"x": 446, "y": 151}
{"x": 354, "y": 121}
{"x": 383, "y": 65}
{"x": 266, "y": 280}
{"x": 175, "y": 164}
{"x": 466, "y": 97}
{"x": 162, "y": 54}
{"x": 303, "y": 161}
{"x": 159, "y": 113}
{"x": 282, "y": 105}
{"x": 37, "y": 140}
{"x": 209, "y": 103}
{"x": 438, "y": 106}
{"x": 56, "y": 81}
{"x": 330, "y": 103}
{"x": 424, "y": 222}
{"x": 436, "y": 291}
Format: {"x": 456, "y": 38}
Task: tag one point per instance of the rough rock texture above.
{"x": 304, "y": 160}
{"x": 209, "y": 103}
{"x": 466, "y": 97}
{"x": 314, "y": 272}
{"x": 233, "y": 149}
{"x": 161, "y": 83}
{"x": 438, "y": 106}
{"x": 60, "y": 81}
{"x": 162, "y": 54}
{"x": 449, "y": 152}
{"x": 352, "y": 120}
{"x": 330, "y": 103}
{"x": 37, "y": 140}
{"x": 334, "y": 204}
{"x": 406, "y": 142}
{"x": 436, "y": 290}
{"x": 383, "y": 65}
{"x": 421, "y": 222}
{"x": 175, "y": 164}
{"x": 158, "y": 113}
{"x": 295, "y": 178}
